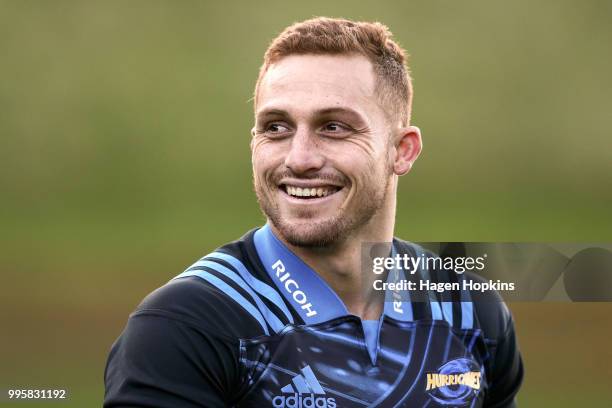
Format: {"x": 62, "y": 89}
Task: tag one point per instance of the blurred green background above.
{"x": 124, "y": 130}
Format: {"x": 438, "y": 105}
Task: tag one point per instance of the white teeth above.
{"x": 308, "y": 192}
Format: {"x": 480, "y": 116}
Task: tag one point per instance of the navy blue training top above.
{"x": 251, "y": 325}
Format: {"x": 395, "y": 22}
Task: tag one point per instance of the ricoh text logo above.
{"x": 292, "y": 287}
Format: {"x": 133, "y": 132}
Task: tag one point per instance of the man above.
{"x": 285, "y": 317}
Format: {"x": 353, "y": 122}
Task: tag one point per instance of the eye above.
{"x": 276, "y": 129}
{"x": 333, "y": 127}
{"x": 273, "y": 130}
{"x": 336, "y": 129}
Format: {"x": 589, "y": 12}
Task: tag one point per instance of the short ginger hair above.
{"x": 336, "y": 36}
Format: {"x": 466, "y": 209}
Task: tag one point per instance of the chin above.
{"x": 311, "y": 233}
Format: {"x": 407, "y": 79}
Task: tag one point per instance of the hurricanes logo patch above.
{"x": 455, "y": 383}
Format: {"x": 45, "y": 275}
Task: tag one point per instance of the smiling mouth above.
{"x": 309, "y": 193}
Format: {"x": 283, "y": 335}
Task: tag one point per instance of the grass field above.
{"x": 124, "y": 132}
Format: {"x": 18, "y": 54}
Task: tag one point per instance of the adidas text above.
{"x": 303, "y": 401}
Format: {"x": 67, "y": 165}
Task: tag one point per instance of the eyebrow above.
{"x": 320, "y": 112}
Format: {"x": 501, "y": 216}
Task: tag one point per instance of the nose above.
{"x": 304, "y": 155}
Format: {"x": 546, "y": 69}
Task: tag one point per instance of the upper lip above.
{"x": 308, "y": 183}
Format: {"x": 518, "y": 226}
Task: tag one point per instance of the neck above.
{"x": 340, "y": 264}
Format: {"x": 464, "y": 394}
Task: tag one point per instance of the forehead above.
{"x": 315, "y": 82}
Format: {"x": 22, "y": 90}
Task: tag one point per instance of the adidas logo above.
{"x": 304, "y": 391}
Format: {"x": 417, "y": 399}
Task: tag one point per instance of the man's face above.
{"x": 321, "y": 148}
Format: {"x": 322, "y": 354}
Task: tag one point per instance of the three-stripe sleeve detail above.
{"x": 238, "y": 279}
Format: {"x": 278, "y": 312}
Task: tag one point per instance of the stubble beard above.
{"x": 333, "y": 230}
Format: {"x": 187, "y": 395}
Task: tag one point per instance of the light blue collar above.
{"x": 309, "y": 295}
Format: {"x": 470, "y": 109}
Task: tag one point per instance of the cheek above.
{"x": 369, "y": 152}
{"x": 265, "y": 157}
{"x": 361, "y": 161}
{"x": 257, "y": 144}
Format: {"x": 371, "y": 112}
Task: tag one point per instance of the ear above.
{"x": 408, "y": 146}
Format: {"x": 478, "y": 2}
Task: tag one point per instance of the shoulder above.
{"x": 211, "y": 295}
{"x": 181, "y": 345}
{"x": 195, "y": 302}
{"x": 490, "y": 310}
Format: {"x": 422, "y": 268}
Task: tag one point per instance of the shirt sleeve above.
{"x": 160, "y": 361}
{"x": 506, "y": 371}
{"x": 180, "y": 348}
